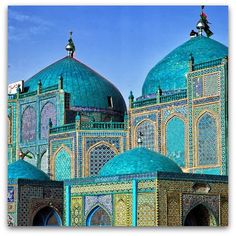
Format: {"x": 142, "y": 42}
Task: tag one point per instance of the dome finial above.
{"x": 202, "y": 24}
{"x": 70, "y": 47}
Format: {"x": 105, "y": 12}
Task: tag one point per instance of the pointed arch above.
{"x": 200, "y": 215}
{"x": 174, "y": 137}
{"x": 44, "y": 162}
{"x": 48, "y": 111}
{"x": 52, "y": 161}
{"x": 28, "y": 124}
{"x": 207, "y": 143}
{"x": 61, "y": 164}
{"x": 147, "y": 129}
{"x": 98, "y": 216}
{"x": 97, "y": 156}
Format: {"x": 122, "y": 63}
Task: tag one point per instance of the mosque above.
{"x": 79, "y": 157}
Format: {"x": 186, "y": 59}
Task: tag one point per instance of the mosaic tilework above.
{"x": 207, "y": 140}
{"x": 11, "y": 219}
{"x": 211, "y": 84}
{"x": 103, "y": 200}
{"x": 90, "y": 141}
{"x": 28, "y": 126}
{"x": 146, "y": 209}
{"x": 197, "y": 87}
{"x": 98, "y": 157}
{"x": 10, "y": 194}
{"x": 175, "y": 148}
{"x": 55, "y": 144}
{"x": 62, "y": 165}
{"x": 33, "y": 160}
{"x": 76, "y": 211}
{"x": 182, "y": 110}
{"x": 48, "y": 112}
{"x": 190, "y": 201}
{"x": 146, "y": 130}
{"x": 122, "y": 205}
{"x": 142, "y": 117}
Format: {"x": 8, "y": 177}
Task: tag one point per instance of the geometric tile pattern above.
{"x": 207, "y": 140}
{"x": 48, "y": 112}
{"x": 28, "y": 127}
{"x": 98, "y": 157}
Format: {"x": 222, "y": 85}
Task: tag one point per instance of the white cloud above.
{"x": 21, "y": 25}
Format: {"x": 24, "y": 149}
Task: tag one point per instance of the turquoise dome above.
{"x": 170, "y": 72}
{"x": 24, "y": 170}
{"x": 87, "y": 88}
{"x": 138, "y": 161}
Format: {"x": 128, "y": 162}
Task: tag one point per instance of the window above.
{"x": 110, "y": 102}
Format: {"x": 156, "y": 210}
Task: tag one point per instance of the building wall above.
{"x": 34, "y": 196}
{"x": 191, "y": 131}
{"x": 177, "y": 197}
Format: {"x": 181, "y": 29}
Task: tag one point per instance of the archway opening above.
{"x": 98, "y": 217}
{"x": 200, "y": 216}
{"x": 47, "y": 216}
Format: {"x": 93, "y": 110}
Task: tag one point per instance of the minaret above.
{"x": 70, "y": 47}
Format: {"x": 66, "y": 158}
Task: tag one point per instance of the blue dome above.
{"x": 138, "y": 161}
{"x": 24, "y": 170}
{"x": 87, "y": 88}
{"x": 170, "y": 72}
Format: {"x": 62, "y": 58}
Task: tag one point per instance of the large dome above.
{"x": 23, "y": 170}
{"x": 87, "y": 88}
{"x": 170, "y": 72}
{"x": 138, "y": 161}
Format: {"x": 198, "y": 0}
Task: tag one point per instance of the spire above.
{"x": 202, "y": 24}
{"x": 70, "y": 47}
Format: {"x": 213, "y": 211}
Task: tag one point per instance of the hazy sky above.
{"x": 120, "y": 43}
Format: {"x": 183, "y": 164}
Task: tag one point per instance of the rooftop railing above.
{"x": 62, "y": 129}
{"x": 163, "y": 99}
{"x": 207, "y": 64}
{"x": 102, "y": 125}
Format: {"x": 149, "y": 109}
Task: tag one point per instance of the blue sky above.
{"x": 120, "y": 43}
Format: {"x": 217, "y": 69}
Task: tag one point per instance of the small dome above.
{"x": 170, "y": 72}
{"x": 88, "y": 90}
{"x": 138, "y": 161}
{"x": 24, "y": 170}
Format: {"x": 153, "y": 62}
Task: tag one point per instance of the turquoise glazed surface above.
{"x": 84, "y": 85}
{"x": 170, "y": 72}
{"x": 137, "y": 161}
{"x": 24, "y": 170}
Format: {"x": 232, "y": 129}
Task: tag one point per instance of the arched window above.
{"x": 28, "y": 124}
{"x": 98, "y": 217}
{"x": 207, "y": 140}
{"x": 98, "y": 157}
{"x": 44, "y": 162}
{"x": 62, "y": 165}
{"x": 48, "y": 112}
{"x": 47, "y": 217}
{"x": 145, "y": 131}
{"x": 175, "y": 131}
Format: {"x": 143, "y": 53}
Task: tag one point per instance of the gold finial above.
{"x": 70, "y": 47}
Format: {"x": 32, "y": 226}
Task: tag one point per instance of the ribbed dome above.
{"x": 87, "y": 88}
{"x": 170, "y": 72}
{"x": 24, "y": 170}
{"x": 137, "y": 161}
